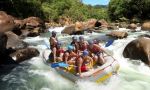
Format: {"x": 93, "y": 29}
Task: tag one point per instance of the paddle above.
{"x": 109, "y": 42}
{"x": 59, "y": 64}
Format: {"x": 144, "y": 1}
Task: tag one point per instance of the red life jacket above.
{"x": 95, "y": 49}
{"x": 59, "y": 51}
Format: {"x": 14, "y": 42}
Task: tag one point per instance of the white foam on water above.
{"x": 57, "y": 29}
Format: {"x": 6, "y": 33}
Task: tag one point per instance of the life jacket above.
{"x": 95, "y": 49}
{"x": 59, "y": 51}
{"x": 84, "y": 66}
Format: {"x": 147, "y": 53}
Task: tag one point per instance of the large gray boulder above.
{"x": 138, "y": 49}
{"x": 146, "y": 26}
{"x": 14, "y": 41}
{"x": 24, "y": 54}
{"x": 5, "y": 59}
{"x": 118, "y": 34}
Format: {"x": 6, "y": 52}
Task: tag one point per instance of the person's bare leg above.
{"x": 101, "y": 59}
{"x": 54, "y": 54}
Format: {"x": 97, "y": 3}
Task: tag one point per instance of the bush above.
{"x": 53, "y": 9}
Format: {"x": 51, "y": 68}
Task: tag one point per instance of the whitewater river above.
{"x": 35, "y": 75}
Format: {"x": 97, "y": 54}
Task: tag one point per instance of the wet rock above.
{"x": 20, "y": 24}
{"x": 98, "y": 24}
{"x": 33, "y": 22}
{"x": 52, "y": 24}
{"x": 146, "y": 26}
{"x": 14, "y": 41}
{"x": 5, "y": 59}
{"x": 118, "y": 34}
{"x": 145, "y": 35}
{"x": 138, "y": 49}
{"x": 80, "y": 27}
{"x": 113, "y": 26}
{"x": 24, "y": 54}
{"x": 123, "y": 25}
{"x": 132, "y": 26}
{"x": 138, "y": 24}
{"x": 103, "y": 23}
{"x": 69, "y": 29}
{"x": 6, "y": 22}
{"x": 64, "y": 21}
{"x": 35, "y": 26}
{"x": 35, "y": 32}
{"x": 73, "y": 30}
{"x": 91, "y": 23}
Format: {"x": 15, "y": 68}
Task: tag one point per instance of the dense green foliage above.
{"x": 131, "y": 9}
{"x": 77, "y": 11}
{"x": 53, "y": 9}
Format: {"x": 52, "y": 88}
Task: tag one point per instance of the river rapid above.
{"x": 34, "y": 74}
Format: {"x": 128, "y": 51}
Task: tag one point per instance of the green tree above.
{"x": 53, "y": 9}
{"x": 129, "y": 9}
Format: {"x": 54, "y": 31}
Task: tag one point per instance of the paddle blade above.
{"x": 59, "y": 64}
{"x": 110, "y": 42}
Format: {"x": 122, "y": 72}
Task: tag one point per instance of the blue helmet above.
{"x": 90, "y": 42}
{"x": 70, "y": 47}
{"x": 85, "y": 53}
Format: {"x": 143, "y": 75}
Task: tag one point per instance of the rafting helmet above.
{"x": 70, "y": 47}
{"x": 85, "y": 53}
{"x": 53, "y": 32}
{"x": 91, "y": 42}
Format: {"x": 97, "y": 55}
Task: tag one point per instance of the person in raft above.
{"x": 58, "y": 54}
{"x": 70, "y": 55}
{"x": 84, "y": 62}
{"x": 82, "y": 44}
{"x": 53, "y": 43}
{"x": 75, "y": 44}
{"x": 96, "y": 52}
{"x": 53, "y": 40}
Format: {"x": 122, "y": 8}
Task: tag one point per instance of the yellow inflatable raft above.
{"x": 98, "y": 74}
